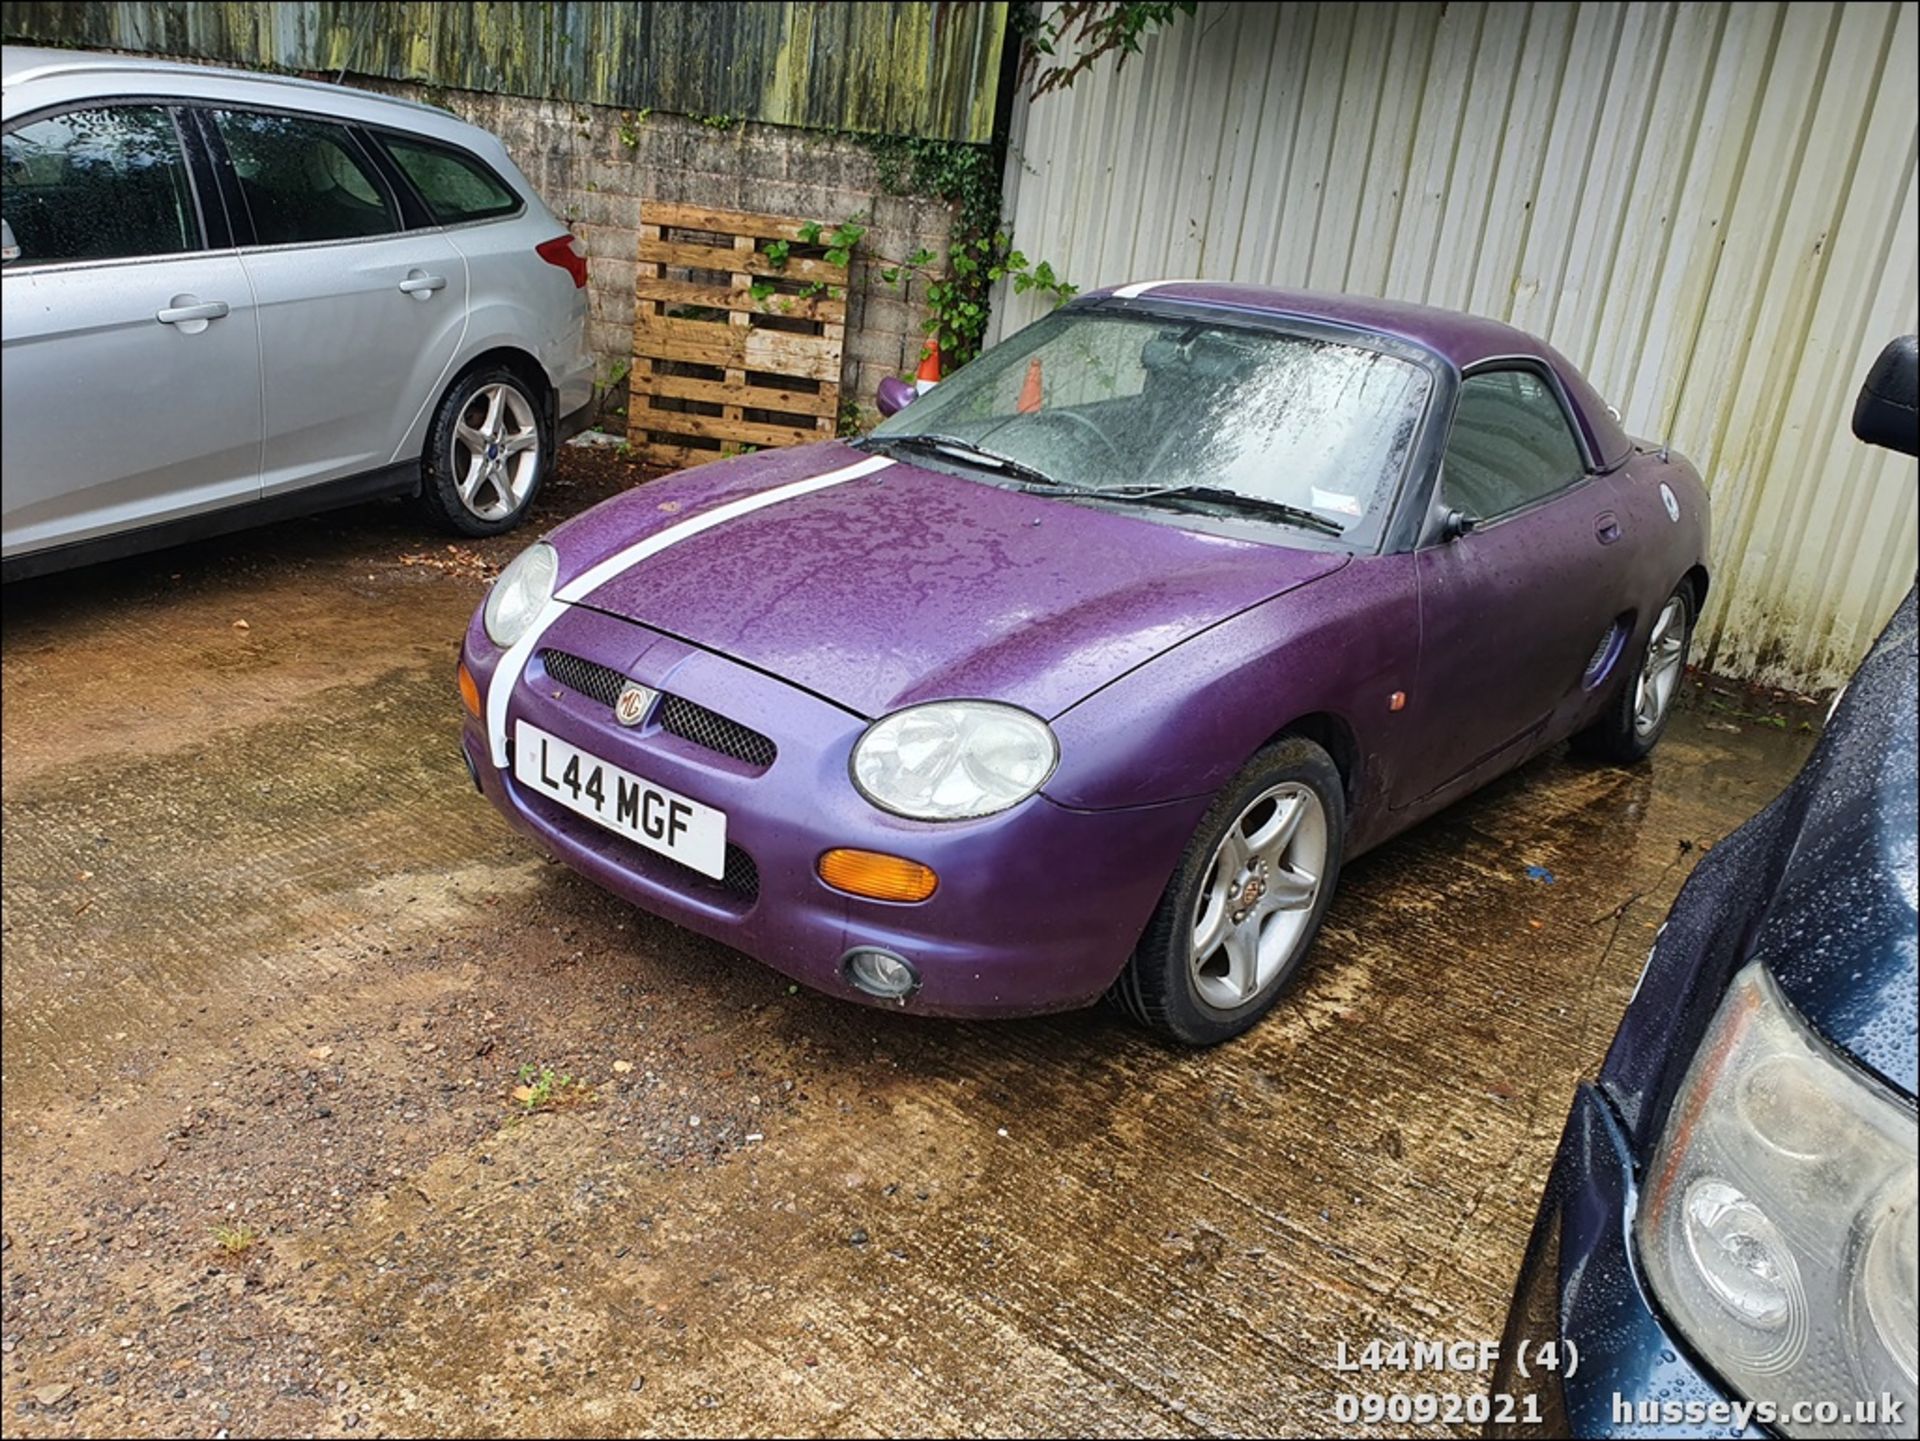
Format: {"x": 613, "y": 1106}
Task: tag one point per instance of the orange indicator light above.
{"x": 879, "y": 877}
{"x": 469, "y": 692}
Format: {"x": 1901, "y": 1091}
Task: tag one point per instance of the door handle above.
{"x": 422, "y": 285}
{"x": 201, "y": 310}
{"x": 1606, "y": 527}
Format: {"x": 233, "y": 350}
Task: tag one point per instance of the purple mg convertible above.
{"x": 1082, "y": 675}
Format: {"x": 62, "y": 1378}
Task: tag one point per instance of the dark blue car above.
{"x": 1727, "y": 1241}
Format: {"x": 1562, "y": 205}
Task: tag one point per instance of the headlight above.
{"x": 1777, "y": 1222}
{"x": 953, "y": 760}
{"x": 521, "y": 592}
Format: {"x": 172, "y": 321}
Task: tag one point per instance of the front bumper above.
{"x": 1580, "y": 1284}
{"x": 1036, "y": 910}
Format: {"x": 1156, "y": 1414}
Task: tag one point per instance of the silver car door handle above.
{"x": 415, "y": 284}
{"x": 206, "y": 310}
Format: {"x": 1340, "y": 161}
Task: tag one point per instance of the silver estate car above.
{"x": 233, "y": 297}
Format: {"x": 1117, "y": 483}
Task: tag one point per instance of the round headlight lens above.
{"x": 522, "y": 590}
{"x": 1741, "y": 1255}
{"x": 1888, "y": 1283}
{"x": 953, "y": 760}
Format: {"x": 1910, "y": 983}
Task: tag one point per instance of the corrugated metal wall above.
{"x": 1710, "y": 208}
{"x": 910, "y": 69}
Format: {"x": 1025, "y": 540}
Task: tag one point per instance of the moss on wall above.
{"x": 904, "y": 69}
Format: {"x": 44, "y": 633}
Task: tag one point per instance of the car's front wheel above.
{"x": 1245, "y": 903}
{"x": 488, "y": 450}
{"x": 1633, "y": 724}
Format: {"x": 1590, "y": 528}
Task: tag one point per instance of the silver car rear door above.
{"x": 360, "y": 316}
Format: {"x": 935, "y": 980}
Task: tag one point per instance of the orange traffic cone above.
{"x": 929, "y": 373}
{"x": 1030, "y": 389}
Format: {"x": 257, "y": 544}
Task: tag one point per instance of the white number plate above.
{"x": 655, "y": 817}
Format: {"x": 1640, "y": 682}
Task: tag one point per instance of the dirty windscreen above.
{"x": 1103, "y": 399}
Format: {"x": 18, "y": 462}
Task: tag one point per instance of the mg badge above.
{"x": 1671, "y": 501}
{"x": 633, "y": 703}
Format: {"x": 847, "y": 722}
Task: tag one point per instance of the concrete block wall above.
{"x": 594, "y": 165}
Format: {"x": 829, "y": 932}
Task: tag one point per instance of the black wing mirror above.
{"x": 1888, "y": 410}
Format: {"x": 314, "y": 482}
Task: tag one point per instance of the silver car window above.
{"x": 455, "y": 188}
{"x": 102, "y": 184}
{"x": 304, "y": 180}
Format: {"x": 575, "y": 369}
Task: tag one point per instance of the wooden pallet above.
{"x": 716, "y": 370}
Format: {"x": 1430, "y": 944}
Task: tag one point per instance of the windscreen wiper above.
{"x": 972, "y": 454}
{"x": 1188, "y": 497}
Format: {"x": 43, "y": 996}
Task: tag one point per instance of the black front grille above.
{"x": 591, "y": 679}
{"x": 715, "y": 732}
{"x": 743, "y": 876}
{"x": 678, "y": 716}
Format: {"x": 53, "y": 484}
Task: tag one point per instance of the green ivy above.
{"x": 1090, "y": 29}
{"x": 979, "y": 250}
{"x": 956, "y": 291}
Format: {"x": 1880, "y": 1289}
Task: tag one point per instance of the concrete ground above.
{"x": 272, "y": 969}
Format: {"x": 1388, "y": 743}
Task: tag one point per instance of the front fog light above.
{"x": 881, "y": 973}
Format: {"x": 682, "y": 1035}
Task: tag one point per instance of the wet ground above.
{"x": 272, "y": 970}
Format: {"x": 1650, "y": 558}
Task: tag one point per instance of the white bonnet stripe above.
{"x": 507, "y": 674}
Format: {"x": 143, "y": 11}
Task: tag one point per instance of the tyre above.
{"x": 488, "y": 450}
{"x": 1245, "y": 902}
{"x": 1637, "y": 717}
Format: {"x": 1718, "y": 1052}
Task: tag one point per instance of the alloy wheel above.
{"x": 1254, "y": 909}
{"x": 495, "y": 451}
{"x": 1660, "y": 672}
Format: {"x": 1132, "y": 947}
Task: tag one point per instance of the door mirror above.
{"x": 893, "y": 395}
{"x": 1888, "y": 410}
{"x": 1457, "y": 524}
{"x": 9, "y": 247}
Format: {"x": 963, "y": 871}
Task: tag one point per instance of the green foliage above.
{"x": 1093, "y": 28}
{"x": 959, "y": 298}
{"x": 235, "y": 1240}
{"x": 979, "y": 251}
{"x": 542, "y": 1088}
{"x": 851, "y": 420}
{"x": 630, "y": 123}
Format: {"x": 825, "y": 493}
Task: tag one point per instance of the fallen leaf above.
{"x": 84, "y": 876}
{"x": 620, "y": 1068}
{"x": 320, "y": 1053}
{"x": 523, "y": 1094}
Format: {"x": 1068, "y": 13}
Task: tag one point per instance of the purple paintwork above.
{"x": 1163, "y": 657}
{"x": 892, "y": 395}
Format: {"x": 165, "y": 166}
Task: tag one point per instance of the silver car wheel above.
{"x": 1253, "y": 911}
{"x": 495, "y": 451}
{"x": 1660, "y": 672}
